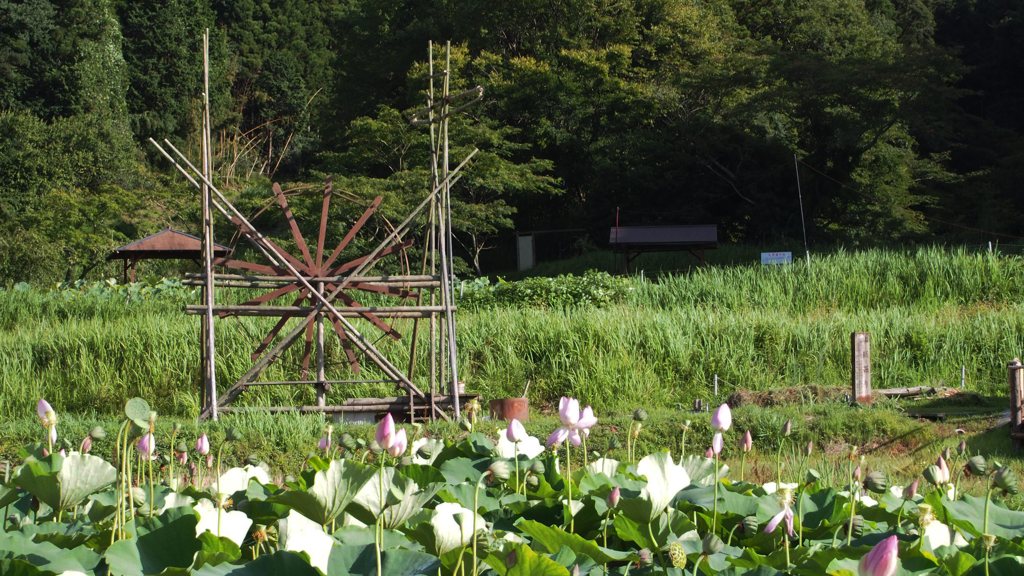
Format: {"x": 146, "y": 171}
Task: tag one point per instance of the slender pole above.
{"x": 321, "y": 376}
{"x": 800, "y": 196}
{"x": 446, "y": 241}
{"x": 209, "y": 363}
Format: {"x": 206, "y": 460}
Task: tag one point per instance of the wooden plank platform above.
{"x": 397, "y": 405}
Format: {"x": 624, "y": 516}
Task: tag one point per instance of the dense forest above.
{"x": 904, "y": 118}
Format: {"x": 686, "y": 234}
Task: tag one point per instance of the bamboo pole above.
{"x": 321, "y": 376}
{"x": 209, "y": 353}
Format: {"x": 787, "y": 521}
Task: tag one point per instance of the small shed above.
{"x": 166, "y": 244}
{"x": 635, "y": 240}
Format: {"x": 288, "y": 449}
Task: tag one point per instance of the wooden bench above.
{"x": 635, "y": 240}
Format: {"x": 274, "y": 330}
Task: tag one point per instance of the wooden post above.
{"x": 321, "y": 376}
{"x": 1015, "y": 375}
{"x": 860, "y": 343}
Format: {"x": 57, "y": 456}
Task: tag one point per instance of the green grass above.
{"x": 616, "y": 343}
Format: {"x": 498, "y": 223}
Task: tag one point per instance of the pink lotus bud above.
{"x": 810, "y": 449}
{"x": 86, "y": 445}
{"x": 613, "y": 497}
{"x": 716, "y": 444}
{"x": 569, "y": 411}
{"x": 856, "y": 474}
{"x": 557, "y": 437}
{"x": 721, "y": 420}
{"x": 709, "y": 453}
{"x": 146, "y": 446}
{"x": 515, "y": 431}
{"x": 587, "y": 420}
{"x": 203, "y": 445}
{"x": 45, "y": 412}
{"x": 910, "y": 491}
{"x": 398, "y": 443}
{"x": 747, "y": 442}
{"x": 882, "y": 559}
{"x": 63, "y": 453}
{"x": 943, "y": 469}
{"x": 323, "y": 444}
{"x": 181, "y": 457}
{"x": 385, "y": 430}
{"x": 209, "y": 460}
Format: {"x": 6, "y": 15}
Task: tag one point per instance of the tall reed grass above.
{"x": 653, "y": 343}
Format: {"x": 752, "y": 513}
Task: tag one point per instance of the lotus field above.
{"x": 499, "y": 503}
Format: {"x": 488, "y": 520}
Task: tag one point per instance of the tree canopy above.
{"x": 903, "y": 117}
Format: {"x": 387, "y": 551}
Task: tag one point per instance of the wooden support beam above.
{"x": 353, "y": 312}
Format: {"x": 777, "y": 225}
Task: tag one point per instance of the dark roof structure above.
{"x": 166, "y": 244}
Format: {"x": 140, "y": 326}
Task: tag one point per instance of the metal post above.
{"x": 1015, "y": 375}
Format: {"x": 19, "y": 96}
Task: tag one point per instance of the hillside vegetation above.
{"x": 901, "y": 119}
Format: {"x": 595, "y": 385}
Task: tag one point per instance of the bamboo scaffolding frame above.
{"x": 309, "y": 282}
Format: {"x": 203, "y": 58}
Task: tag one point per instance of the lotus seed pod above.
{"x": 989, "y": 540}
{"x": 97, "y": 433}
{"x": 1006, "y": 479}
{"x": 639, "y": 414}
{"x": 232, "y": 435}
{"x": 347, "y": 441}
{"x": 138, "y": 496}
{"x": 532, "y": 481}
{"x": 613, "y": 443}
{"x": 253, "y": 460}
{"x": 538, "y": 467}
{"x": 925, "y": 516}
{"x": 677, "y": 555}
{"x": 876, "y": 482}
{"x": 405, "y": 461}
{"x": 977, "y": 466}
{"x": 750, "y": 525}
{"x": 858, "y": 526}
{"x": 711, "y": 544}
{"x": 933, "y": 475}
{"x": 466, "y": 425}
{"x": 500, "y": 470}
{"x": 812, "y": 476}
{"x": 176, "y": 427}
{"x": 646, "y": 558}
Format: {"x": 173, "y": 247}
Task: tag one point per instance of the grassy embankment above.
{"x": 615, "y": 343}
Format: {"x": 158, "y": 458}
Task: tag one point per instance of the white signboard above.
{"x": 524, "y": 251}
{"x": 776, "y": 258}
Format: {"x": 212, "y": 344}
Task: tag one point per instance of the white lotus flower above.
{"x": 453, "y": 526}
{"x": 530, "y": 447}
{"x": 606, "y": 466}
{"x": 300, "y": 534}
{"x": 234, "y": 525}
{"x": 237, "y": 479}
{"x": 175, "y": 500}
{"x": 665, "y": 479}
{"x": 435, "y": 446}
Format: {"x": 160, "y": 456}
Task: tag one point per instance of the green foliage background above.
{"x": 904, "y": 115}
